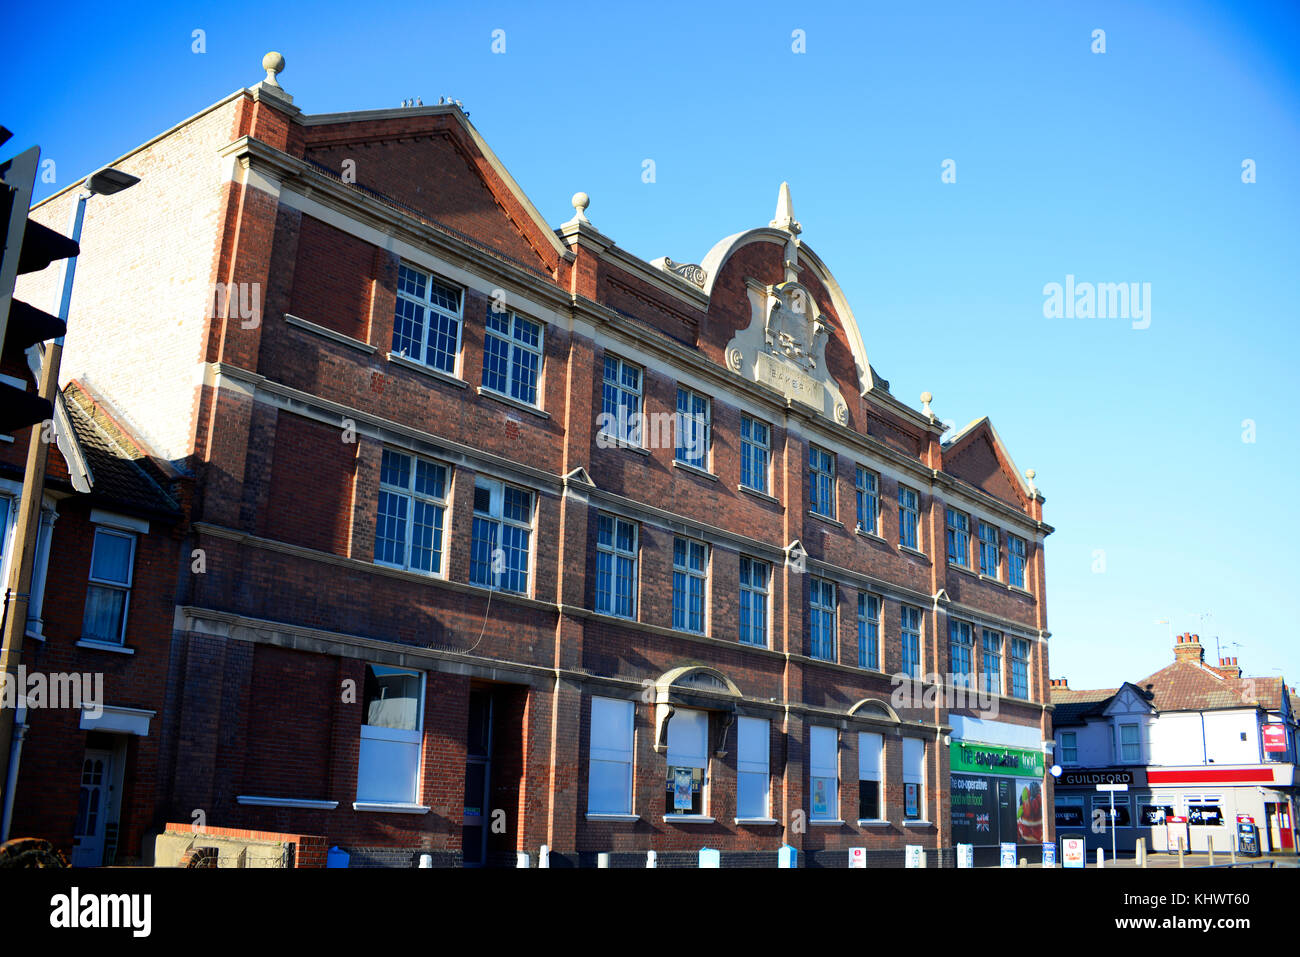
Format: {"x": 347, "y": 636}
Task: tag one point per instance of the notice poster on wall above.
{"x": 988, "y": 810}
{"x": 682, "y": 789}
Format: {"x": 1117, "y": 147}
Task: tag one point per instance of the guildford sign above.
{"x": 1095, "y": 776}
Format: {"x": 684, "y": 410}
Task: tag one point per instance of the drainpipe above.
{"x": 11, "y": 782}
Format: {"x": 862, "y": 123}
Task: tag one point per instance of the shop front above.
{"x": 997, "y": 797}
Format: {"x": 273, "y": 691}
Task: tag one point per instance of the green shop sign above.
{"x": 989, "y": 759}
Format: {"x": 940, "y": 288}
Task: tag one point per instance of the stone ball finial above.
{"x": 1031, "y": 475}
{"x": 272, "y": 63}
{"x": 581, "y": 201}
{"x": 927, "y": 398}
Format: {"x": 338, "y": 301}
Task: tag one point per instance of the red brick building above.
{"x": 85, "y": 756}
{"x": 510, "y": 538}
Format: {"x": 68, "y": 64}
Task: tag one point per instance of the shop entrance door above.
{"x": 92, "y": 809}
{"x": 478, "y": 779}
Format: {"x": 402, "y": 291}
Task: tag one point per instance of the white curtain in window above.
{"x": 752, "y": 767}
{"x": 870, "y": 752}
{"x": 913, "y": 761}
{"x": 688, "y": 739}
{"x": 610, "y": 782}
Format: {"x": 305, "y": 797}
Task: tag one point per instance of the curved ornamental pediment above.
{"x": 698, "y": 687}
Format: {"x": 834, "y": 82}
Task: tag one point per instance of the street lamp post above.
{"x": 105, "y": 182}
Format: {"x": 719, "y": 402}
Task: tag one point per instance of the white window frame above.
{"x": 615, "y": 554}
{"x": 1136, "y": 745}
{"x": 688, "y": 730}
{"x": 823, "y": 764}
{"x": 753, "y": 767}
{"x": 496, "y": 516}
{"x": 386, "y": 742}
{"x": 1017, "y": 554}
{"x": 756, "y": 449}
{"x": 912, "y": 511}
{"x": 817, "y": 607}
{"x": 614, "y": 752}
{"x": 867, "y": 523}
{"x": 689, "y": 575}
{"x": 107, "y": 585}
{"x": 1069, "y": 748}
{"x": 760, "y": 596}
{"x": 702, "y": 421}
{"x": 514, "y": 342}
{"x": 958, "y": 525}
{"x": 1017, "y": 643}
{"x": 961, "y": 634}
{"x": 411, "y": 496}
{"x": 914, "y": 773}
{"x": 906, "y": 630}
{"x": 627, "y": 425}
{"x": 985, "y": 544}
{"x": 429, "y": 305}
{"x": 871, "y": 767}
{"x": 866, "y": 621}
{"x": 825, "y": 467}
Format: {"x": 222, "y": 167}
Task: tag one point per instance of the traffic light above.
{"x": 28, "y": 247}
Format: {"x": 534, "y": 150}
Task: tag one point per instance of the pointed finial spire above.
{"x": 785, "y": 212}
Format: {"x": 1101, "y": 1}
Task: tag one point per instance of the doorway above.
{"x": 478, "y": 778}
{"x": 93, "y": 808}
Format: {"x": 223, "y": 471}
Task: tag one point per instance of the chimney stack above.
{"x": 1060, "y": 683}
{"x": 1187, "y": 647}
{"x": 1229, "y": 668}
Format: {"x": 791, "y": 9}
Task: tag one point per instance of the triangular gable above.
{"x": 977, "y": 455}
{"x": 434, "y": 162}
{"x": 1128, "y": 700}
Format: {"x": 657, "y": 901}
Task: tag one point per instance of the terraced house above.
{"x": 506, "y": 537}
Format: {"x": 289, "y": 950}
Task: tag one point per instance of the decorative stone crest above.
{"x": 692, "y": 273}
{"x": 792, "y": 330}
{"x": 841, "y": 413}
{"x": 734, "y": 359}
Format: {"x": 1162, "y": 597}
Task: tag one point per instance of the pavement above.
{"x": 1199, "y": 859}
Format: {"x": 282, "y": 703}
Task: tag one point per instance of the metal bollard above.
{"x": 426, "y": 860}
{"x": 602, "y": 859}
{"x": 1142, "y": 852}
{"x": 522, "y": 859}
{"x": 651, "y": 859}
{"x": 1180, "y": 852}
{"x": 1024, "y": 862}
{"x": 1101, "y": 857}
{"x": 1209, "y": 841}
{"x": 544, "y": 856}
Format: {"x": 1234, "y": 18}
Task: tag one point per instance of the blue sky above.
{"x": 1122, "y": 166}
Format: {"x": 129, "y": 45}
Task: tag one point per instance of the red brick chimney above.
{"x": 1187, "y": 647}
{"x": 1060, "y": 683}
{"x": 1229, "y": 668}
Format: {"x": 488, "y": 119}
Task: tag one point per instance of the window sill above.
{"x": 914, "y": 551}
{"x": 917, "y": 824}
{"x": 688, "y": 819}
{"x": 508, "y": 400}
{"x": 624, "y": 818}
{"x": 694, "y": 469}
{"x": 605, "y": 441}
{"x": 993, "y": 581}
{"x": 286, "y": 802}
{"x": 759, "y": 495}
{"x": 871, "y": 536}
{"x": 964, "y": 569}
{"x": 406, "y": 362}
{"x": 835, "y": 823}
{"x": 825, "y": 518}
{"x": 1021, "y": 591}
{"x": 389, "y": 808}
{"x": 105, "y": 646}
{"x": 872, "y": 822}
{"x": 327, "y": 333}
{"x": 756, "y": 821}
